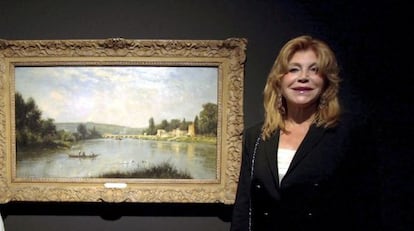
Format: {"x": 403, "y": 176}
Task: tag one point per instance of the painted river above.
{"x": 197, "y": 159}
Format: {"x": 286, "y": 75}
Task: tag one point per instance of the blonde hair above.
{"x": 328, "y": 112}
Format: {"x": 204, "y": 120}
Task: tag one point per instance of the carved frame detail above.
{"x": 228, "y": 55}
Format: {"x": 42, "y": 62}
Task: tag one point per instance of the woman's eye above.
{"x": 314, "y": 70}
{"x": 293, "y": 70}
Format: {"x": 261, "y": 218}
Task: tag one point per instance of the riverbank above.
{"x": 188, "y": 139}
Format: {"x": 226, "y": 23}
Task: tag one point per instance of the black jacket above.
{"x": 331, "y": 184}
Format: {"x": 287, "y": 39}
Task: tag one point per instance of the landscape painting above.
{"x": 116, "y": 122}
{"x": 121, "y": 120}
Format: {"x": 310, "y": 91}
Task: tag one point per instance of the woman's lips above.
{"x": 302, "y": 89}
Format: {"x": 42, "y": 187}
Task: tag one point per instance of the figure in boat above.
{"x": 82, "y": 154}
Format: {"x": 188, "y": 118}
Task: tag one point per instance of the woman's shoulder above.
{"x": 255, "y": 127}
{"x": 253, "y": 130}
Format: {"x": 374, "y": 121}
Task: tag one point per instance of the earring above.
{"x": 322, "y": 103}
{"x": 280, "y": 104}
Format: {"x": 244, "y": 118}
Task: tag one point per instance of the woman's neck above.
{"x": 300, "y": 116}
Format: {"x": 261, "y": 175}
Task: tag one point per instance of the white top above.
{"x": 284, "y": 157}
{"x": 1, "y": 224}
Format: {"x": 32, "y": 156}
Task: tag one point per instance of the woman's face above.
{"x": 302, "y": 85}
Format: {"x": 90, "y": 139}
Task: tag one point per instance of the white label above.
{"x": 115, "y": 185}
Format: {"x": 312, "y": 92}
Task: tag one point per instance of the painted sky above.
{"x": 121, "y": 95}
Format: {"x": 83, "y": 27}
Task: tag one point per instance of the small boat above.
{"x": 83, "y": 155}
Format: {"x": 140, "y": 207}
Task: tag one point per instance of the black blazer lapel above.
{"x": 270, "y": 147}
{"x": 311, "y": 139}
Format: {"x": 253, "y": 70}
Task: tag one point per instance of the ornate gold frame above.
{"x": 228, "y": 55}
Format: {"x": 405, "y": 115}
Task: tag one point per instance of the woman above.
{"x": 308, "y": 166}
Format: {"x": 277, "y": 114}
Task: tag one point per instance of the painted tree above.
{"x": 208, "y": 119}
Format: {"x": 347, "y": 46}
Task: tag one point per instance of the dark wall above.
{"x": 362, "y": 35}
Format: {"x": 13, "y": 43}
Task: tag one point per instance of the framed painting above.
{"x": 121, "y": 120}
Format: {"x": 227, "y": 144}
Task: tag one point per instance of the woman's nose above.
{"x": 303, "y": 79}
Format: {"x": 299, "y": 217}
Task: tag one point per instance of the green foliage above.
{"x": 207, "y": 123}
{"x": 196, "y": 122}
{"x": 167, "y": 126}
{"x": 162, "y": 171}
{"x": 30, "y": 128}
{"x": 174, "y": 124}
{"x": 94, "y": 133}
{"x": 151, "y": 128}
{"x": 164, "y": 125}
{"x": 183, "y": 125}
{"x": 83, "y": 131}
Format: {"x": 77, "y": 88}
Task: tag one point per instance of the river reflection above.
{"x": 198, "y": 160}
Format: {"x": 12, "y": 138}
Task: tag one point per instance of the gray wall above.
{"x": 358, "y": 32}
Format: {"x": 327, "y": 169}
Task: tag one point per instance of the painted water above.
{"x": 197, "y": 159}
